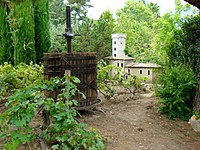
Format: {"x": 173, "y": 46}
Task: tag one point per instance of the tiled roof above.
{"x": 120, "y": 58}
{"x": 142, "y": 65}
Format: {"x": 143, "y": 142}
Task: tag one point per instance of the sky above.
{"x": 113, "y": 5}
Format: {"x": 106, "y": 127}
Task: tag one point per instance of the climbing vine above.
{"x": 62, "y": 132}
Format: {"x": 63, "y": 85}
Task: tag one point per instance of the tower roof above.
{"x": 118, "y": 35}
{"x": 142, "y": 65}
{"x": 120, "y": 58}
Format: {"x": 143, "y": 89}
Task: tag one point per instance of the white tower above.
{"x": 118, "y": 45}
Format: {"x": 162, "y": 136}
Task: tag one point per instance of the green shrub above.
{"x": 110, "y": 76}
{"x": 63, "y": 131}
{"x": 12, "y": 78}
{"x": 176, "y": 88}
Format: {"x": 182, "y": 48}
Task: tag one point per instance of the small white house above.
{"x": 127, "y": 63}
{"x": 145, "y": 70}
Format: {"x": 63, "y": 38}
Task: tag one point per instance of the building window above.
{"x": 129, "y": 71}
{"x": 115, "y": 55}
{"x": 115, "y": 42}
{"x": 140, "y": 71}
{"x": 121, "y": 42}
{"x": 126, "y": 77}
{"x": 117, "y": 64}
{"x": 122, "y": 65}
{"x": 149, "y": 72}
{"x": 115, "y": 48}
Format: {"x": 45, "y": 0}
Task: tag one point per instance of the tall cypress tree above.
{"x": 42, "y": 34}
{"x": 6, "y": 48}
{"x": 21, "y": 21}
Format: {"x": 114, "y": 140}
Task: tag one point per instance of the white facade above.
{"x": 118, "y": 45}
{"x": 119, "y": 59}
{"x": 145, "y": 70}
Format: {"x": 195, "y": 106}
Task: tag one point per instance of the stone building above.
{"x": 118, "y": 57}
{"x": 128, "y": 64}
{"x": 145, "y": 70}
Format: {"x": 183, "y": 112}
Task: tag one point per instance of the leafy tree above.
{"x": 79, "y": 11}
{"x": 58, "y": 43}
{"x": 102, "y": 35}
{"x": 84, "y": 43}
{"x": 107, "y": 80}
{"x": 178, "y": 39}
{"x": 186, "y": 45}
{"x": 166, "y": 26}
{"x": 155, "y": 9}
{"x": 96, "y": 35}
{"x": 136, "y": 20}
{"x": 58, "y": 23}
{"x": 57, "y": 12}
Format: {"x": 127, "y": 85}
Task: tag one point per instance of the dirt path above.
{"x": 134, "y": 124}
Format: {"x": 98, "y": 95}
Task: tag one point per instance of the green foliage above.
{"x": 167, "y": 27}
{"x": 177, "y": 42}
{"x": 176, "y": 88}
{"x": 6, "y": 49}
{"x": 110, "y": 76}
{"x": 58, "y": 43}
{"x": 155, "y": 9}
{"x": 80, "y": 24}
{"x": 21, "y": 24}
{"x": 57, "y": 12}
{"x": 64, "y": 132}
{"x": 57, "y": 25}
{"x": 42, "y": 34}
{"x": 163, "y": 37}
{"x": 102, "y": 35}
{"x": 186, "y": 45}
{"x": 24, "y": 32}
{"x": 85, "y": 43}
{"x": 12, "y": 78}
{"x": 132, "y": 83}
{"x": 79, "y": 11}
{"x": 136, "y": 19}
{"x": 96, "y": 36}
